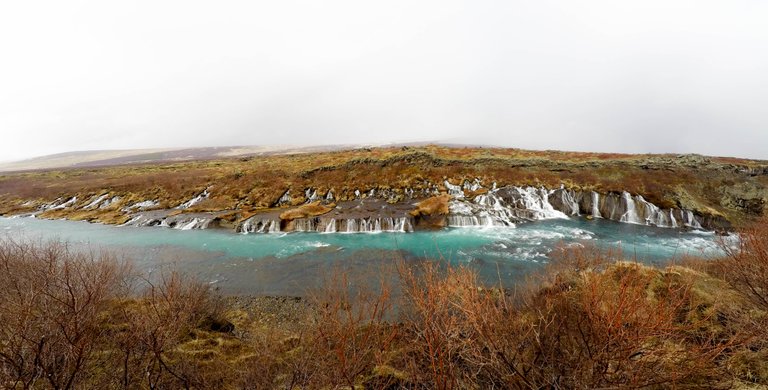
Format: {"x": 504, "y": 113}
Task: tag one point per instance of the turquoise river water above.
{"x": 287, "y": 264}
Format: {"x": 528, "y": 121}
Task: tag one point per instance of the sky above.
{"x": 660, "y": 76}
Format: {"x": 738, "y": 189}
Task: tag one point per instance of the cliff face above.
{"x": 400, "y": 189}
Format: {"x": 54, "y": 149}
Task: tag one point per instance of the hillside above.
{"x": 717, "y": 191}
{"x": 104, "y": 158}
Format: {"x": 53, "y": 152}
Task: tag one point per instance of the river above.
{"x": 289, "y": 263}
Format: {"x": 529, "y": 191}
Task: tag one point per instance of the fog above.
{"x": 651, "y": 76}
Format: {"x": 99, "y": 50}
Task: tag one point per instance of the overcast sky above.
{"x": 624, "y": 76}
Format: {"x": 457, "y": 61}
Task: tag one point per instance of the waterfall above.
{"x": 199, "y": 198}
{"x": 463, "y": 220}
{"x": 310, "y": 194}
{"x": 284, "y": 199}
{"x": 596, "y": 205}
{"x": 376, "y": 225}
{"x": 256, "y": 225}
{"x": 362, "y": 225}
{"x": 472, "y": 186}
{"x": 194, "y": 223}
{"x": 454, "y": 190}
{"x": 331, "y": 226}
{"x": 403, "y": 225}
{"x": 304, "y": 225}
{"x": 570, "y": 201}
{"x": 535, "y": 202}
{"x": 689, "y": 220}
{"x": 672, "y": 221}
{"x": 58, "y": 206}
{"x": 110, "y": 202}
{"x": 147, "y": 204}
{"x": 653, "y": 215}
{"x": 630, "y": 213}
{"x": 95, "y": 202}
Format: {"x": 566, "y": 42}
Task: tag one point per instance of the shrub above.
{"x": 51, "y": 302}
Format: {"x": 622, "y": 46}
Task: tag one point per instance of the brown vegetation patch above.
{"x": 308, "y": 210}
{"x": 436, "y": 205}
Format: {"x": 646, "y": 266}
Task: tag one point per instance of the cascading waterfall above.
{"x": 256, "y": 225}
{"x": 331, "y": 226}
{"x": 197, "y": 199}
{"x": 689, "y": 220}
{"x": 504, "y": 206}
{"x": 354, "y": 225}
{"x": 534, "y": 204}
{"x": 454, "y": 190}
{"x": 508, "y": 205}
{"x": 305, "y": 225}
{"x": 672, "y": 221}
{"x": 310, "y": 194}
{"x": 596, "y": 205}
{"x": 194, "y": 223}
{"x": 95, "y": 202}
{"x": 463, "y": 220}
{"x": 58, "y": 206}
{"x": 630, "y": 215}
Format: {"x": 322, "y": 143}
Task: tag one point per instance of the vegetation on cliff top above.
{"x": 591, "y": 320}
{"x": 734, "y": 188}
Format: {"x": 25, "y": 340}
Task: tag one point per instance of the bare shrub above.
{"x": 590, "y": 322}
{"x": 746, "y": 264}
{"x": 148, "y": 330}
{"x": 348, "y": 335}
{"x": 435, "y": 314}
{"x": 51, "y": 299}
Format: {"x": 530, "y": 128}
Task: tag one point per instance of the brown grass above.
{"x": 308, "y": 210}
{"x": 436, "y": 205}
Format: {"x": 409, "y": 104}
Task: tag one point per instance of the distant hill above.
{"x": 102, "y": 158}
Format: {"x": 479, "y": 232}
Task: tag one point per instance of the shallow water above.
{"x": 289, "y": 263}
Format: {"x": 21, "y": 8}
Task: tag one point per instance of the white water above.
{"x": 95, "y": 202}
{"x": 55, "y": 205}
{"x": 454, "y": 190}
{"x": 630, "y": 215}
{"x": 203, "y": 196}
{"x": 596, "y": 205}
{"x": 110, "y": 202}
{"x": 142, "y": 205}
